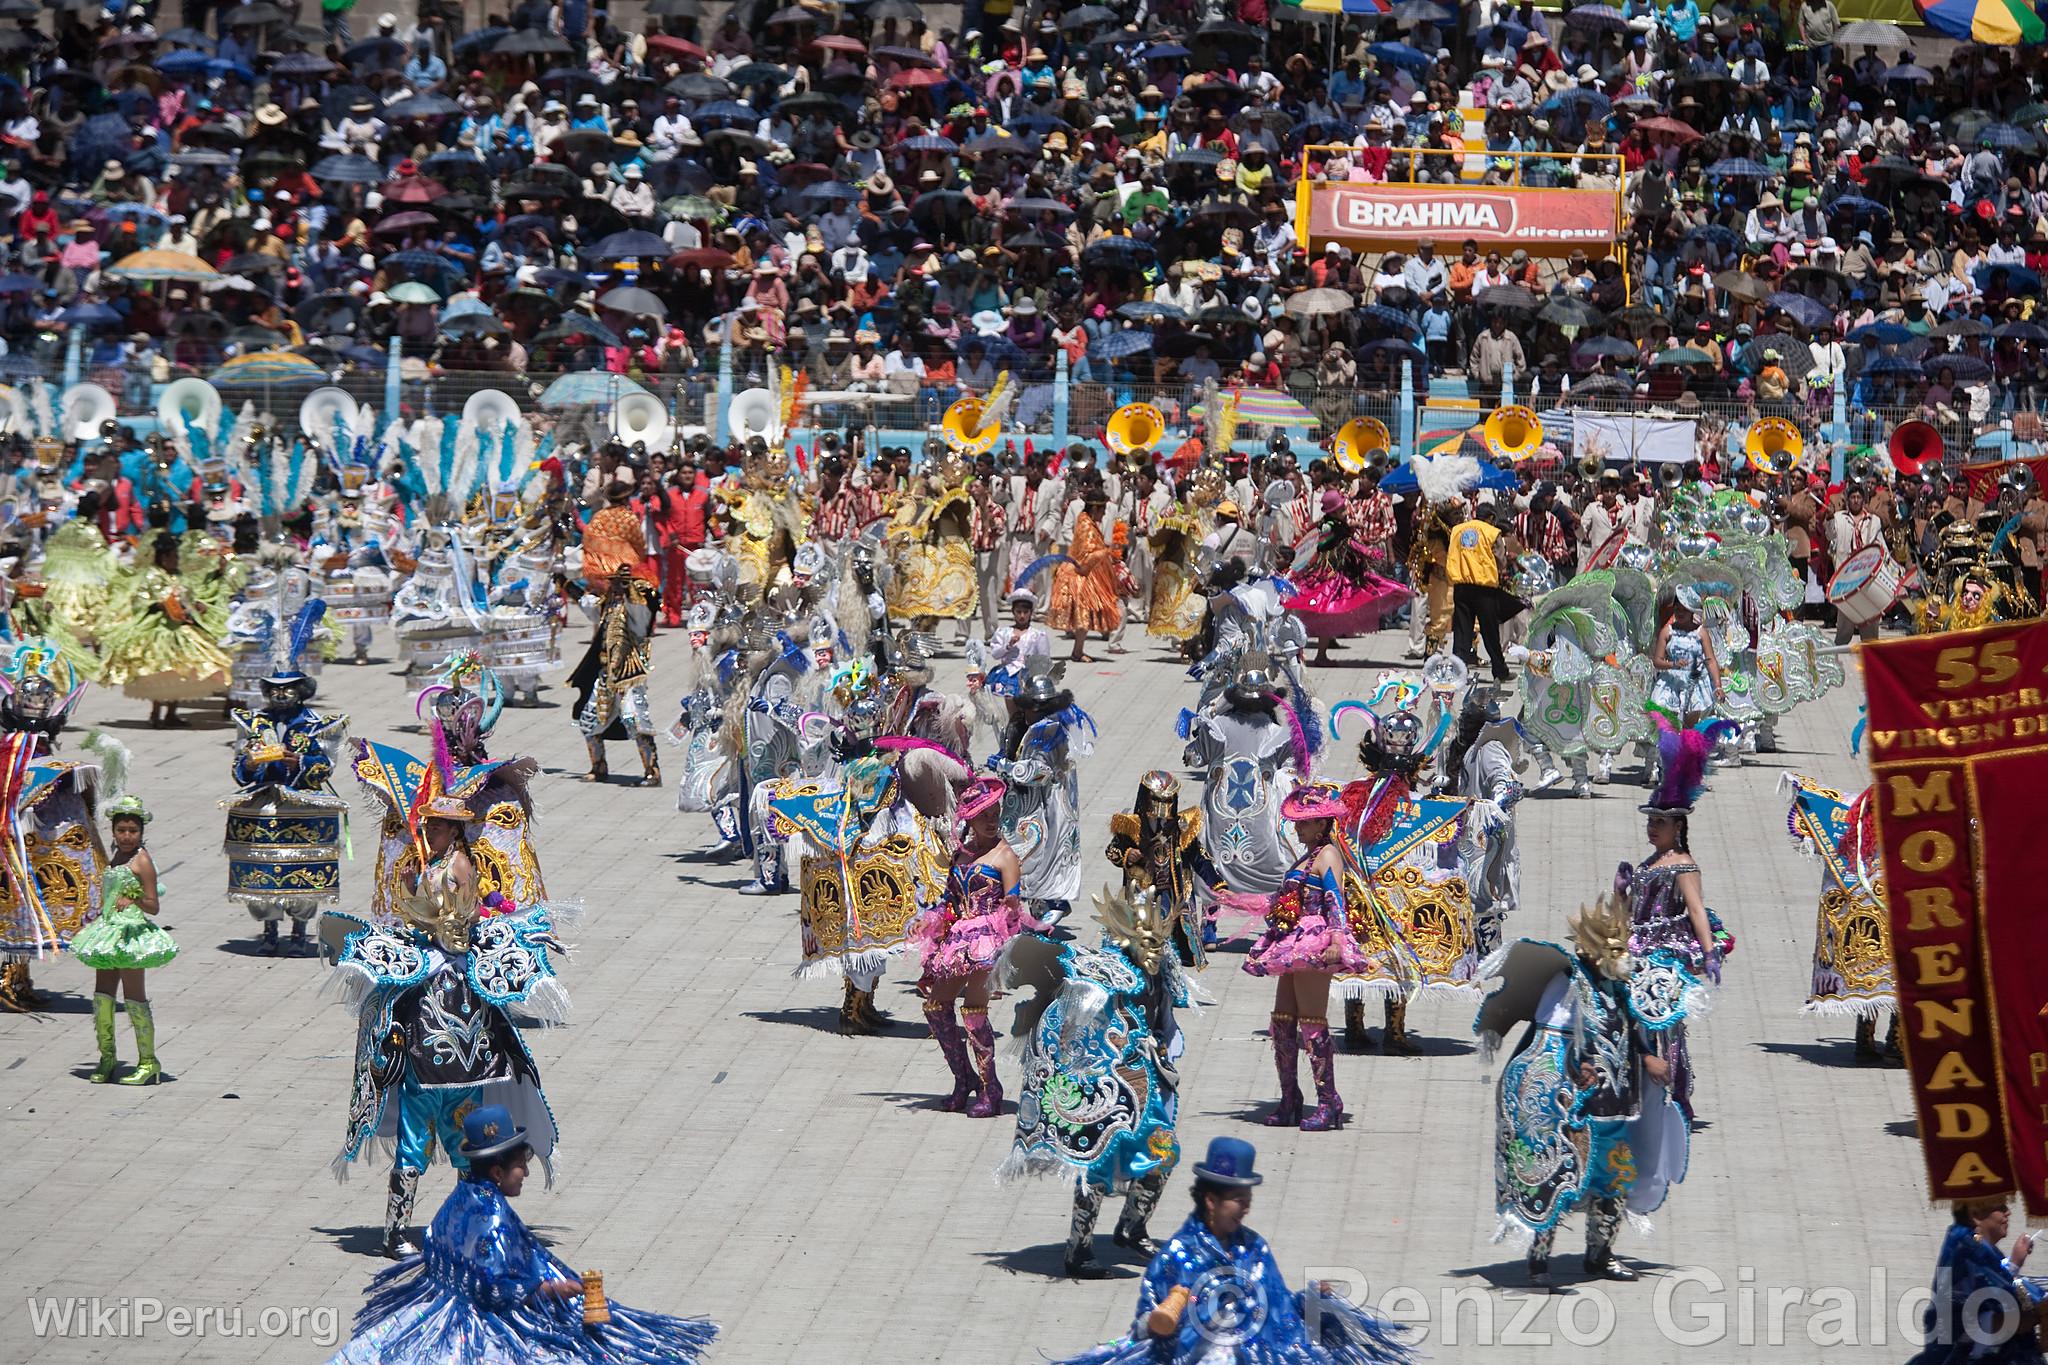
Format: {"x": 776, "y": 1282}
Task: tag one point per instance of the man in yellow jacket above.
{"x": 1478, "y": 545}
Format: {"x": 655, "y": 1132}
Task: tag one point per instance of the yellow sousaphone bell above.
{"x": 1773, "y": 445}
{"x": 963, "y": 426}
{"x": 1357, "y": 441}
{"x": 1512, "y": 432}
{"x": 1134, "y": 427}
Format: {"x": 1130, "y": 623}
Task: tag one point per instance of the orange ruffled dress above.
{"x": 1085, "y": 595}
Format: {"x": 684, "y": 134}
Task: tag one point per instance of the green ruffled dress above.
{"x": 123, "y": 938}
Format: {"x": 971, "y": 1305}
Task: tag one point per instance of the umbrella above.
{"x": 260, "y": 369}
{"x": 1120, "y": 344}
{"x": 681, "y": 47}
{"x": 749, "y": 75}
{"x": 1396, "y": 351}
{"x": 1683, "y": 355}
{"x": 184, "y": 63}
{"x": 419, "y": 264}
{"x": 418, "y": 189}
{"x": 1117, "y": 253}
{"x": 1589, "y": 353}
{"x": 1507, "y": 296}
{"x": 377, "y": 51}
{"x": 422, "y": 107}
{"x": 1742, "y": 285}
{"x": 1379, "y": 315}
{"x": 1569, "y": 312}
{"x": 1312, "y": 303}
{"x": 588, "y": 388}
{"x": 1870, "y": 33}
{"x": 905, "y": 56}
{"x": 1739, "y": 168}
{"x": 187, "y": 37}
{"x": 412, "y": 291}
{"x": 580, "y": 325}
{"x": 527, "y": 42}
{"x": 2020, "y": 331}
{"x": 1954, "y": 327}
{"x": 253, "y": 15}
{"x": 1270, "y": 407}
{"x": 2018, "y": 279}
{"x": 301, "y": 64}
{"x": 478, "y": 40}
{"x": 1086, "y": 16}
{"x": 404, "y": 222}
{"x": 1400, "y": 54}
{"x": 1596, "y": 18}
{"x": 1164, "y": 52}
{"x": 1424, "y": 12}
{"x": 697, "y": 85}
{"x": 1963, "y": 369}
{"x": 631, "y": 243}
{"x": 930, "y": 142}
{"x": 1139, "y": 310}
{"x": 893, "y": 9}
{"x": 741, "y": 143}
{"x": 1035, "y": 206}
{"x": 2007, "y": 138}
{"x": 638, "y": 302}
{"x": 1662, "y": 126}
{"x": 472, "y": 325}
{"x": 1807, "y": 312}
{"x": 726, "y": 111}
{"x": 1995, "y": 23}
{"x": 90, "y": 315}
{"x": 913, "y": 78}
{"x": 1882, "y": 334}
{"x": 1794, "y": 357}
{"x": 1892, "y": 367}
{"x": 839, "y": 42}
{"x": 162, "y": 265}
{"x": 1227, "y": 211}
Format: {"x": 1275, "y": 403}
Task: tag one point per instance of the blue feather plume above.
{"x": 303, "y": 626}
{"x": 1036, "y": 567}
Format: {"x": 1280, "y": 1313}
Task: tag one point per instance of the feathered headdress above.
{"x": 1682, "y": 763}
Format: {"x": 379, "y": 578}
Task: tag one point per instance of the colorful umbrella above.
{"x": 261, "y": 368}
{"x": 1270, "y": 407}
{"x": 1999, "y": 23}
{"x": 162, "y": 265}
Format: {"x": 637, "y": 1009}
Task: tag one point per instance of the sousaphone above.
{"x": 1357, "y": 441}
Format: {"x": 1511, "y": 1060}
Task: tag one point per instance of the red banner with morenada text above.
{"x": 1958, "y": 733}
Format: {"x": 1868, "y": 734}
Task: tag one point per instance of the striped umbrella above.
{"x": 259, "y": 369}
{"x": 1998, "y": 23}
{"x": 162, "y": 265}
{"x": 1270, "y": 407}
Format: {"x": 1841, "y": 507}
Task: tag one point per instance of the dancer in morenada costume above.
{"x": 1214, "y": 1294}
{"x": 284, "y": 827}
{"x": 434, "y": 996}
{"x": 1665, "y": 892}
{"x": 1101, "y": 1047}
{"x": 1158, "y": 848}
{"x": 51, "y": 834}
{"x": 1039, "y": 761}
{"x": 1336, "y": 596}
{"x": 959, "y": 940}
{"x": 1251, "y": 749}
{"x": 1584, "y": 1116}
{"x": 870, "y": 831}
{"x": 463, "y": 708}
{"x": 484, "y": 1291}
{"x": 1852, "y": 939}
{"x": 1416, "y": 906}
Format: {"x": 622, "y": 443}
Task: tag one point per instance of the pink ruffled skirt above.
{"x": 1312, "y": 945}
{"x": 953, "y": 948}
{"x": 1333, "y": 607}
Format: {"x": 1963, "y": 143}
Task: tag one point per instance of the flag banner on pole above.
{"x": 1958, "y": 736}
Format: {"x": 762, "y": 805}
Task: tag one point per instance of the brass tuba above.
{"x": 1773, "y": 445}
{"x": 1134, "y": 428}
{"x": 1357, "y": 441}
{"x": 1512, "y": 432}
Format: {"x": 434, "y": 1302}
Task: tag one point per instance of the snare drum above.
{"x": 359, "y": 595}
{"x": 1866, "y": 585}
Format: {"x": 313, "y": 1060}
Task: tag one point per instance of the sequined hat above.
{"x": 489, "y": 1131}
{"x": 1313, "y": 801}
{"x": 980, "y": 795}
{"x": 1230, "y": 1161}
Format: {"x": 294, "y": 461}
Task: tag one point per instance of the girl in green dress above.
{"x": 122, "y": 943}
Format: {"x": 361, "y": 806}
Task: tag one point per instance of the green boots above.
{"x": 144, "y": 1023}
{"x": 103, "y": 1034}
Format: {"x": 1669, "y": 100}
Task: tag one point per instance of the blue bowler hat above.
{"x": 1229, "y": 1162}
{"x": 489, "y": 1131}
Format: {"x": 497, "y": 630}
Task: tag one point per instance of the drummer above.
{"x": 1854, "y": 527}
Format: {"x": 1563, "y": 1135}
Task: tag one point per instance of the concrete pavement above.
{"x": 726, "y": 1154}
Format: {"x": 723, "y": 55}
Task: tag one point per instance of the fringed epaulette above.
{"x": 1124, "y": 825}
{"x": 1190, "y": 828}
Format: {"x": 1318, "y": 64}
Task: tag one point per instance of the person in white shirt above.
{"x": 634, "y": 198}
{"x": 1830, "y": 360}
{"x": 669, "y": 128}
{"x": 1854, "y": 527}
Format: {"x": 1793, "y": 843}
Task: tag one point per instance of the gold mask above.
{"x": 1138, "y": 925}
{"x": 1600, "y": 931}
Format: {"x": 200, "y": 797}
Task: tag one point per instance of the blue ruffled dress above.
{"x": 468, "y": 1299}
